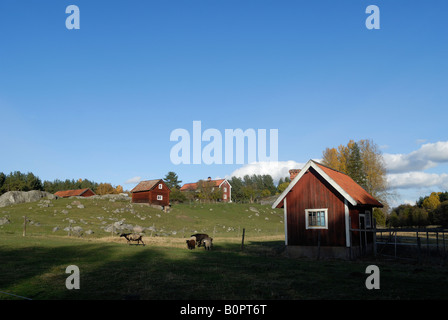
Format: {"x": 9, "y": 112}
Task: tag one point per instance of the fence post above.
{"x": 24, "y": 226}
{"x": 318, "y": 244}
{"x": 242, "y": 241}
{"x": 396, "y": 244}
{"x": 374, "y": 237}
{"x": 419, "y": 245}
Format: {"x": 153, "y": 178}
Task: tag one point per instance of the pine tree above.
{"x": 355, "y": 167}
{"x": 172, "y": 180}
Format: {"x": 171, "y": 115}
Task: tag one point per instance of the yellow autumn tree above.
{"x": 105, "y": 188}
{"x": 431, "y": 202}
{"x": 372, "y": 165}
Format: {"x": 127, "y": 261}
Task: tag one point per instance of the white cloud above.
{"x": 133, "y": 180}
{"x": 277, "y": 170}
{"x": 415, "y": 179}
{"x": 428, "y": 156}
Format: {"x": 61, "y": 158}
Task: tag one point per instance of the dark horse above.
{"x": 132, "y": 237}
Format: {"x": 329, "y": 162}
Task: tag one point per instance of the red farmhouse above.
{"x": 320, "y": 206}
{"x": 222, "y": 184}
{"x": 153, "y": 192}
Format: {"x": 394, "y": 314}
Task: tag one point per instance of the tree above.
{"x": 177, "y": 196}
{"x": 2, "y": 181}
{"x": 331, "y": 159}
{"x": 119, "y": 189}
{"x": 441, "y": 214}
{"x": 408, "y": 215}
{"x": 355, "y": 166}
{"x": 374, "y": 169}
{"x": 172, "y": 180}
{"x": 283, "y": 186}
{"x": 105, "y": 188}
{"x": 364, "y": 163}
{"x": 208, "y": 191}
{"x": 432, "y": 202}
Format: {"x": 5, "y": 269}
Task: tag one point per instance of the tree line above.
{"x": 18, "y": 181}
{"x": 428, "y": 210}
{"x": 248, "y": 189}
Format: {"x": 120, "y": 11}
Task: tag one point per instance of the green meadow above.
{"x": 34, "y": 265}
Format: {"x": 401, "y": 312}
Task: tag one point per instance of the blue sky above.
{"x": 100, "y": 102}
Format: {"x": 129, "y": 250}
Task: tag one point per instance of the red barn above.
{"x": 321, "y": 205}
{"x": 154, "y": 192}
{"x": 75, "y": 193}
{"x": 222, "y": 184}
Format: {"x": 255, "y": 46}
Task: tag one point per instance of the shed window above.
{"x": 159, "y": 197}
{"x": 316, "y": 218}
{"x": 160, "y": 186}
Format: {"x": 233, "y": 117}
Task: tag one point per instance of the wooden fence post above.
{"x": 24, "y": 226}
{"x": 242, "y": 241}
{"x": 374, "y": 237}
{"x": 395, "y": 244}
{"x": 318, "y": 244}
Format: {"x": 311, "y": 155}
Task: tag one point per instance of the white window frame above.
{"x": 160, "y": 186}
{"x": 224, "y": 196}
{"x": 159, "y": 197}
{"x": 308, "y": 211}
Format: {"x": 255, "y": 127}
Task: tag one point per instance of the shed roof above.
{"x": 146, "y": 185}
{"x": 346, "y": 186}
{"x": 71, "y": 193}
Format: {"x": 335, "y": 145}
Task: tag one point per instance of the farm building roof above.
{"x": 72, "y": 193}
{"x": 194, "y": 186}
{"x": 346, "y": 186}
{"x": 146, "y": 185}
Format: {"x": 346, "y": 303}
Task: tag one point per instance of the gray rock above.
{"x": 15, "y": 197}
{"x": 4, "y": 221}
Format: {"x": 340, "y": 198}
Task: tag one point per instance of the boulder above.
{"x": 15, "y": 197}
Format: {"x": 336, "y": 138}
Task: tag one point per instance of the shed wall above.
{"x": 313, "y": 192}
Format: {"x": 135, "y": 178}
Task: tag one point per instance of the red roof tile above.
{"x": 71, "y": 193}
{"x": 358, "y": 193}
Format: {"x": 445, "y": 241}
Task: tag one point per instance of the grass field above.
{"x": 34, "y": 266}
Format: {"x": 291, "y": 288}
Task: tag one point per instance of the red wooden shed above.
{"x": 320, "y": 206}
{"x": 154, "y": 192}
{"x": 75, "y": 193}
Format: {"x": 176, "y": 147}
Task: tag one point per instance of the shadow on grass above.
{"x": 260, "y": 271}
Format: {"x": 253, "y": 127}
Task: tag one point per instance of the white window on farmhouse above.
{"x": 316, "y": 218}
{"x": 224, "y": 196}
{"x": 159, "y": 197}
{"x": 160, "y": 186}
{"x": 225, "y": 189}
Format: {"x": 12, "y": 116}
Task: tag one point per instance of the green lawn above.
{"x": 34, "y": 266}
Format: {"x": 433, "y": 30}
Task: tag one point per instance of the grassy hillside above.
{"x": 84, "y": 216}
